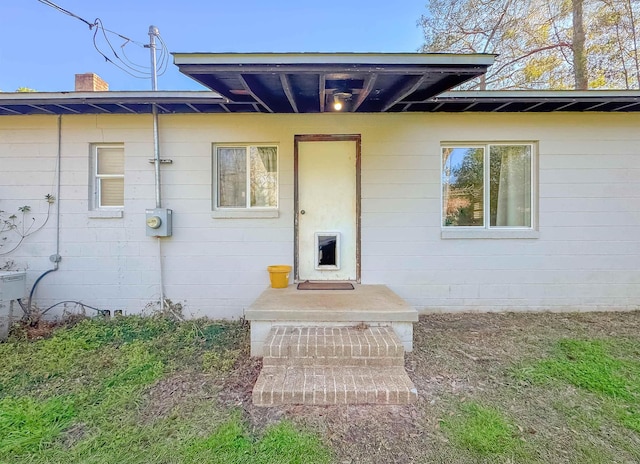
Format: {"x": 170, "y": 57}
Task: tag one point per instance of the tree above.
{"x": 541, "y": 43}
{"x": 579, "y": 53}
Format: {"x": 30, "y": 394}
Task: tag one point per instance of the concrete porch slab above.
{"x": 373, "y": 305}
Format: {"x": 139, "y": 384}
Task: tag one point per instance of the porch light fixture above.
{"x": 339, "y": 99}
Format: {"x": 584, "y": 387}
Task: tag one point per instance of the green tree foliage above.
{"x": 541, "y": 43}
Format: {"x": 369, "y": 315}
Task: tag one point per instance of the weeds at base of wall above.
{"x": 32, "y": 325}
{"x": 169, "y": 310}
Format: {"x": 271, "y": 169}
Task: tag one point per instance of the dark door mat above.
{"x": 325, "y": 286}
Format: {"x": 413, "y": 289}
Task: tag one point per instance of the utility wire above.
{"x": 77, "y": 303}
{"x": 128, "y": 60}
{"x": 125, "y": 66}
{"x": 109, "y": 60}
{"x": 111, "y": 55}
{"x": 67, "y": 12}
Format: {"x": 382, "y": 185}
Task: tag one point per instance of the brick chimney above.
{"x": 90, "y": 82}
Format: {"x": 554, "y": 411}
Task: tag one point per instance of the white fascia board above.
{"x": 539, "y": 94}
{"x": 271, "y": 59}
{"x": 127, "y": 96}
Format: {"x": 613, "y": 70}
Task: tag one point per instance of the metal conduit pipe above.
{"x": 156, "y": 154}
{"x": 55, "y": 258}
{"x": 156, "y": 163}
{"x": 153, "y": 32}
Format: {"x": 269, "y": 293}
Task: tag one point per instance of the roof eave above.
{"x": 328, "y": 59}
{"x": 524, "y": 94}
{"x": 112, "y": 96}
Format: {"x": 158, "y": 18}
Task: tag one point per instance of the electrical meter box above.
{"x": 13, "y": 285}
{"x": 158, "y": 222}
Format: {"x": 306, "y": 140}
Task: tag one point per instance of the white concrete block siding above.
{"x": 585, "y": 257}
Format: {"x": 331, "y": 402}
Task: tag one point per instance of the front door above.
{"x": 327, "y": 207}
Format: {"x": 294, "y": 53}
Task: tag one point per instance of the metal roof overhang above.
{"x": 185, "y": 102}
{"x": 530, "y": 101}
{"x": 129, "y": 102}
{"x": 307, "y": 82}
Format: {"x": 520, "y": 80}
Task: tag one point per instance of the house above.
{"x": 455, "y": 201}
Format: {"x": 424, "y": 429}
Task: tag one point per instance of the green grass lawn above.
{"x": 599, "y": 377}
{"x": 525, "y": 388}
{"x": 85, "y": 395}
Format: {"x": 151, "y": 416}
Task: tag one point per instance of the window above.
{"x": 487, "y": 186}
{"x": 246, "y": 177}
{"x": 108, "y": 176}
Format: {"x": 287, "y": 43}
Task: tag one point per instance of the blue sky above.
{"x": 42, "y": 48}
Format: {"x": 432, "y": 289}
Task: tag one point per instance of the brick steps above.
{"x": 338, "y": 346}
{"x": 333, "y": 385}
{"x": 333, "y": 365}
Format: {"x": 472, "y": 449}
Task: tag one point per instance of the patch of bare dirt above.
{"x": 74, "y": 435}
{"x": 178, "y": 392}
{"x": 456, "y": 358}
{"x": 38, "y": 329}
{"x": 41, "y": 329}
{"x": 238, "y": 385}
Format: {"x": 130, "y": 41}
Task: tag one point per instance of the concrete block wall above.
{"x": 584, "y": 258}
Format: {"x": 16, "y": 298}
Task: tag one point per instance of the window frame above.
{"x": 246, "y": 211}
{"x": 486, "y": 230}
{"x": 97, "y": 209}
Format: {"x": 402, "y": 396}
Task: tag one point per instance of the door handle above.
{"x": 302, "y": 211}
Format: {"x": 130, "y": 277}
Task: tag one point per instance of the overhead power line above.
{"x": 67, "y": 12}
{"x": 109, "y": 52}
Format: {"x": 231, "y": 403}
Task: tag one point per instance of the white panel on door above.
{"x": 327, "y": 202}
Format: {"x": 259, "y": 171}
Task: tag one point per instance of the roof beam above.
{"x": 71, "y": 110}
{"x": 219, "y": 87}
{"x": 288, "y": 91}
{"x": 99, "y": 108}
{"x": 195, "y": 110}
{"x": 3, "y": 108}
{"x": 469, "y": 106}
{"x": 366, "y": 90}
{"x": 533, "y": 106}
{"x": 39, "y": 108}
{"x": 627, "y": 106}
{"x": 322, "y": 91}
{"x": 163, "y": 108}
{"x": 126, "y": 108}
{"x": 504, "y": 105}
{"x": 412, "y": 84}
{"x": 592, "y": 107}
{"x": 440, "y": 84}
{"x": 256, "y": 90}
{"x": 563, "y": 106}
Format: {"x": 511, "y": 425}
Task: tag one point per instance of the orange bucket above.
{"x": 279, "y": 275}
